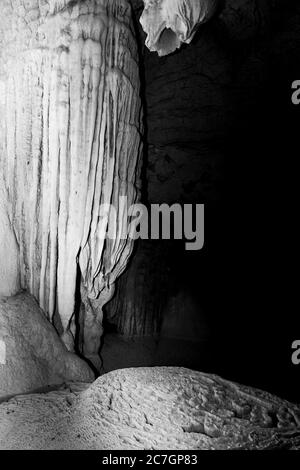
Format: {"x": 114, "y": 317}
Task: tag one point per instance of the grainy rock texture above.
{"x": 151, "y": 408}
{"x": 33, "y": 355}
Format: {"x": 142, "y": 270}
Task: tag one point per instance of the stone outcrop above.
{"x": 170, "y": 23}
{"x": 32, "y": 354}
{"x": 70, "y": 144}
{"x": 151, "y": 408}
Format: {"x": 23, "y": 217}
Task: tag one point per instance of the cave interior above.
{"x": 178, "y": 103}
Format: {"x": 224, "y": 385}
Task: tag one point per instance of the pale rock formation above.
{"x": 91, "y": 329}
{"x": 33, "y": 356}
{"x": 9, "y": 270}
{"x": 151, "y": 408}
{"x": 70, "y": 123}
{"x": 170, "y": 23}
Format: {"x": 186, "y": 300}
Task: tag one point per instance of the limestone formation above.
{"x": 71, "y": 129}
{"x": 70, "y": 123}
{"x": 170, "y": 23}
{"x": 33, "y": 356}
{"x": 153, "y": 409}
{"x": 9, "y": 270}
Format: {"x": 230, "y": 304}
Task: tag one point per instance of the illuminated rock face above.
{"x": 70, "y": 124}
{"x": 169, "y": 23}
{"x": 9, "y": 265}
{"x": 32, "y": 356}
{"x": 154, "y": 408}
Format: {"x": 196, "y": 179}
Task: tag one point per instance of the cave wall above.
{"x": 207, "y": 103}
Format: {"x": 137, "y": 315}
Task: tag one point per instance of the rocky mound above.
{"x": 151, "y": 408}
{"x": 32, "y": 356}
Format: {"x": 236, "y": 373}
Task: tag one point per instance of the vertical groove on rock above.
{"x": 72, "y": 127}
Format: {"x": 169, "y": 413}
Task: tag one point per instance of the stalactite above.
{"x": 169, "y": 23}
{"x": 72, "y": 126}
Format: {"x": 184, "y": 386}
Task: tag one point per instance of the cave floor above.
{"x": 150, "y": 408}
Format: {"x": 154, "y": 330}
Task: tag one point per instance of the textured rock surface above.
{"x": 70, "y": 141}
{"x": 9, "y": 270}
{"x": 151, "y": 408}
{"x": 169, "y": 23}
{"x": 34, "y": 356}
